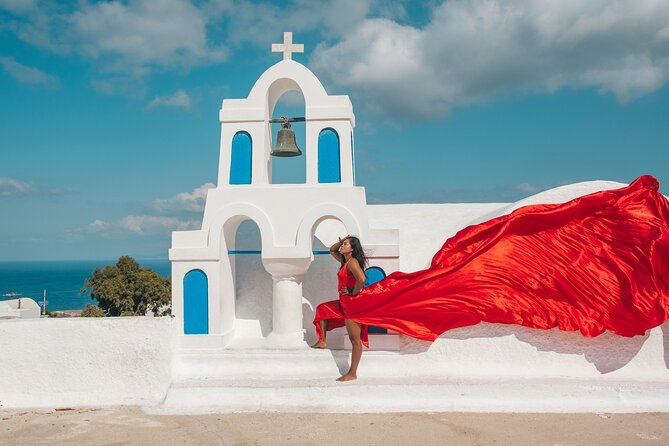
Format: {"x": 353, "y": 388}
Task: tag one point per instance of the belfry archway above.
{"x": 320, "y": 280}
{"x": 253, "y": 285}
{"x": 289, "y": 170}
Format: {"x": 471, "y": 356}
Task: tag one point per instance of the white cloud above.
{"x": 98, "y": 225}
{"x": 183, "y": 202}
{"x": 136, "y": 224}
{"x": 27, "y": 75}
{"x": 129, "y": 40}
{"x": 179, "y": 99}
{"x": 473, "y": 51}
{"x": 263, "y": 23}
{"x": 11, "y": 187}
{"x": 18, "y": 6}
{"x": 145, "y": 32}
{"x": 125, "y": 39}
{"x": 140, "y": 224}
{"x": 173, "y": 217}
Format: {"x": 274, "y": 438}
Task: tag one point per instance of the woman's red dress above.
{"x": 598, "y": 262}
{"x": 332, "y": 310}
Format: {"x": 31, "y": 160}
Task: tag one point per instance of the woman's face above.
{"x": 345, "y": 247}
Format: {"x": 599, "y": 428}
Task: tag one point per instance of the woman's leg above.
{"x": 353, "y": 329}
{"x": 323, "y": 323}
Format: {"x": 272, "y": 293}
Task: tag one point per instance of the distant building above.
{"x": 21, "y": 308}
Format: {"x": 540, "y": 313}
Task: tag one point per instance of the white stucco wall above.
{"x": 486, "y": 349}
{"x": 106, "y": 361}
{"x": 85, "y": 361}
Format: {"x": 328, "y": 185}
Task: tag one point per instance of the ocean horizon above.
{"x": 62, "y": 280}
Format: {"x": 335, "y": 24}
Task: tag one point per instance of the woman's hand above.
{"x": 345, "y": 291}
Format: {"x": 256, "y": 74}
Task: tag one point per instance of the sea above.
{"x": 62, "y": 280}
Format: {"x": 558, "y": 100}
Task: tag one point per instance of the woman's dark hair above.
{"x": 358, "y": 253}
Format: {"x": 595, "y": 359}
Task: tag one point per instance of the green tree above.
{"x": 126, "y": 289}
{"x": 92, "y": 311}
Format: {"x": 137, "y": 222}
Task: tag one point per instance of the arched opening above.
{"x": 196, "y": 303}
{"x": 253, "y": 285}
{"x": 320, "y": 280}
{"x": 329, "y": 166}
{"x": 289, "y": 170}
{"x": 241, "y": 157}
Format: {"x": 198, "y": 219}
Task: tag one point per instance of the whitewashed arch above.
{"x": 317, "y": 214}
{"x": 229, "y": 218}
{"x": 286, "y": 76}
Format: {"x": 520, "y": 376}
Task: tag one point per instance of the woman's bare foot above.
{"x": 347, "y": 377}
{"x": 320, "y": 344}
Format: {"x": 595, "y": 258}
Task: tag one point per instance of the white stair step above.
{"x": 279, "y": 364}
{"x": 402, "y": 395}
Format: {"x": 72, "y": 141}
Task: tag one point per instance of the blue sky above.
{"x": 477, "y": 101}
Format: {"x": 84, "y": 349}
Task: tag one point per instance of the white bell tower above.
{"x": 203, "y": 288}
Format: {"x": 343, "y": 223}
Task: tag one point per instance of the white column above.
{"x": 344, "y": 129}
{"x": 225, "y": 154}
{"x": 311, "y": 151}
{"x": 287, "y": 312}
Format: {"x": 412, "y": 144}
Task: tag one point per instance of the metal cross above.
{"x": 287, "y": 47}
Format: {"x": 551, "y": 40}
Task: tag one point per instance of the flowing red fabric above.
{"x": 598, "y": 262}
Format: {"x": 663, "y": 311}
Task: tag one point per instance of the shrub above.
{"x": 126, "y": 289}
{"x": 92, "y": 311}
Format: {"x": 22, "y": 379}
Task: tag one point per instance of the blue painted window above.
{"x": 374, "y": 274}
{"x": 196, "y": 303}
{"x": 329, "y": 167}
{"x": 240, "y": 161}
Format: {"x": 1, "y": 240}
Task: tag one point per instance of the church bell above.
{"x": 285, "y": 142}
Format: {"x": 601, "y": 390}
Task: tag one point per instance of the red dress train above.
{"x": 598, "y": 262}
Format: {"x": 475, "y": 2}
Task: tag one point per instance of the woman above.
{"x": 329, "y": 315}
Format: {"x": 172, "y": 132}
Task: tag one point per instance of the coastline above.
{"x": 63, "y": 280}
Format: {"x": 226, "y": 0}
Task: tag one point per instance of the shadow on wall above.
{"x": 320, "y": 285}
{"x": 410, "y": 345}
{"x": 253, "y": 284}
{"x": 253, "y": 292}
{"x": 608, "y": 352}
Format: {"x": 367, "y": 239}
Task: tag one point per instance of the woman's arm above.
{"x": 358, "y": 273}
{"x": 334, "y": 251}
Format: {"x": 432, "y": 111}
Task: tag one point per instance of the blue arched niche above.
{"x": 375, "y": 274}
{"x": 240, "y": 161}
{"x": 196, "y": 303}
{"x": 329, "y": 167}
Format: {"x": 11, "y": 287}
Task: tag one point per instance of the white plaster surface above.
{"x": 424, "y": 228}
{"x": 85, "y": 361}
{"x": 487, "y": 367}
